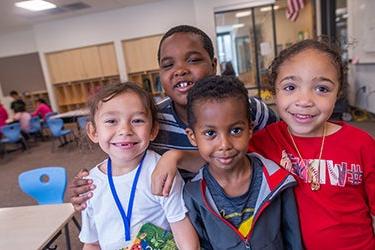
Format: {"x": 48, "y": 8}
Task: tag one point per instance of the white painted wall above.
{"x": 126, "y": 23}
{"x": 115, "y": 26}
{"x": 17, "y": 43}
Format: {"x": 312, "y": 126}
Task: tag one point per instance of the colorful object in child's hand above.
{"x": 154, "y": 238}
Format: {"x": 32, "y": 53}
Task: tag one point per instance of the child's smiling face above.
{"x": 183, "y": 61}
{"x": 221, "y": 132}
{"x": 123, "y": 129}
{"x": 307, "y": 86}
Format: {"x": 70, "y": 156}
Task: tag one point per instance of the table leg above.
{"x": 67, "y": 237}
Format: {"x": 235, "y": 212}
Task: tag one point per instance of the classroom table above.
{"x": 34, "y": 227}
{"x": 71, "y": 116}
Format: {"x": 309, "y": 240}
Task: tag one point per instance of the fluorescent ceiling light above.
{"x": 35, "y": 5}
{"x": 238, "y": 25}
{"x": 243, "y": 14}
{"x": 264, "y": 9}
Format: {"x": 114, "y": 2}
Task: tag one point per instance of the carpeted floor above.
{"x": 72, "y": 158}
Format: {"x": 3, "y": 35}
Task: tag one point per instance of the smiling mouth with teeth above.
{"x": 124, "y": 144}
{"x": 303, "y": 116}
{"x": 181, "y": 85}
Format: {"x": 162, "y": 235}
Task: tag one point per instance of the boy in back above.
{"x": 185, "y": 56}
{"x": 237, "y": 200}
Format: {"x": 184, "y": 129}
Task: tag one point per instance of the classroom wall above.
{"x": 361, "y": 34}
{"x": 115, "y": 26}
{"x": 17, "y": 43}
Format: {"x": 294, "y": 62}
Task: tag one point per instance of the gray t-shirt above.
{"x": 239, "y": 211}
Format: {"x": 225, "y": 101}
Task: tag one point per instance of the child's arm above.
{"x": 261, "y": 114}
{"x": 185, "y": 235}
{"x": 166, "y": 168}
{"x": 80, "y": 190}
{"x": 91, "y": 246}
{"x": 290, "y": 223}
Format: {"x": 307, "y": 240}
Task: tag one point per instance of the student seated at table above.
{"x": 42, "y": 108}
{"x": 23, "y": 118}
{"x": 3, "y": 116}
{"x": 17, "y": 103}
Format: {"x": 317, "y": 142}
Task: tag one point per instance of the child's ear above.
{"x": 191, "y": 136}
{"x": 91, "y": 132}
{"x": 214, "y": 65}
{"x": 154, "y": 131}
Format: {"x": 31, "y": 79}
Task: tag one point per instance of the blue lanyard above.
{"x": 125, "y": 218}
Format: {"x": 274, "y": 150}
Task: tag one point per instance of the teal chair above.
{"x": 56, "y": 126}
{"x": 12, "y": 134}
{"x": 47, "y": 185}
{"x": 82, "y": 121}
{"x": 36, "y": 128}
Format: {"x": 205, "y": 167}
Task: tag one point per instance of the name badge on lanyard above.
{"x": 126, "y": 217}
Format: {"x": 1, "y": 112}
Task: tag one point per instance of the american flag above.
{"x": 293, "y": 7}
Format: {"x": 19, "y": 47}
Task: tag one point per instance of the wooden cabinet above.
{"x": 90, "y": 59}
{"x": 142, "y": 64}
{"x": 79, "y": 73}
{"x": 108, "y": 61}
{"x": 82, "y": 63}
{"x": 141, "y": 54}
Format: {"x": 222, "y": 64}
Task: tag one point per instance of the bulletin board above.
{"x": 22, "y": 73}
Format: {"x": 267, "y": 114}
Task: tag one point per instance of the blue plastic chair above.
{"x": 47, "y": 117}
{"x": 36, "y": 127}
{"x": 47, "y": 185}
{"x": 56, "y": 127}
{"x": 82, "y": 121}
{"x": 12, "y": 134}
{"x": 49, "y": 114}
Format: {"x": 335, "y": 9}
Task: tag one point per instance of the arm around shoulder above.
{"x": 261, "y": 114}
{"x": 80, "y": 190}
{"x": 166, "y": 168}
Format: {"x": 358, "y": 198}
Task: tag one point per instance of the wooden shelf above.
{"x": 74, "y": 95}
{"x": 148, "y": 80}
{"x": 31, "y": 97}
{"x": 79, "y": 73}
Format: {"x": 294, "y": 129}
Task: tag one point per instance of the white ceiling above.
{"x": 14, "y": 19}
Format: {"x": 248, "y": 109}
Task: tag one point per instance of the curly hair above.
{"x": 216, "y": 88}
{"x": 322, "y": 45}
{"x": 110, "y": 91}
{"x": 206, "y": 40}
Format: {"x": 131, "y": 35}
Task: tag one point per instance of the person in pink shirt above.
{"x": 3, "y": 115}
{"x": 42, "y": 108}
{"x": 23, "y": 118}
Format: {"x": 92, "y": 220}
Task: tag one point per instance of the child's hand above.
{"x": 164, "y": 173}
{"x": 79, "y": 190}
